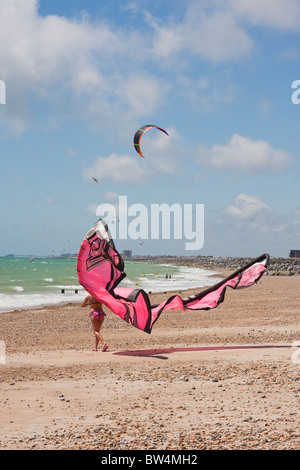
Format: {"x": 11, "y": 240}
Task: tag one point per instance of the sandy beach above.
{"x": 227, "y": 378}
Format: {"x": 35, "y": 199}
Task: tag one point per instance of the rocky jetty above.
{"x": 277, "y": 266}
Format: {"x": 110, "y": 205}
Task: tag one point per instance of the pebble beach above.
{"x": 227, "y": 378}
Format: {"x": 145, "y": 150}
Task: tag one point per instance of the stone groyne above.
{"x": 277, "y": 266}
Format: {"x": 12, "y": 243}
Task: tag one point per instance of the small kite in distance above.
{"x": 95, "y": 179}
{"x": 140, "y": 132}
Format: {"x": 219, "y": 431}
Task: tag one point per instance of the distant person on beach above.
{"x": 97, "y": 317}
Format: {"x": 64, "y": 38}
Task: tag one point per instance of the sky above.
{"x": 81, "y": 76}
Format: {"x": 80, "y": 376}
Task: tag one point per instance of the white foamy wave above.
{"x": 177, "y": 279}
{"x": 182, "y": 279}
{"x": 18, "y": 288}
{"x": 48, "y": 279}
{"x": 8, "y": 303}
{"x": 66, "y": 287}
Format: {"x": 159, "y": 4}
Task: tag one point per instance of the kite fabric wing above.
{"x": 140, "y": 132}
{"x": 100, "y": 269}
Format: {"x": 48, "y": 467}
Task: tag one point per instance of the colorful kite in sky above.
{"x": 138, "y": 135}
{"x": 100, "y": 269}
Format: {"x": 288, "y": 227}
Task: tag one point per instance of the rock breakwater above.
{"x": 277, "y": 266}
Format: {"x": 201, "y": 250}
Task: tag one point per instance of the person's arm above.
{"x": 86, "y": 301}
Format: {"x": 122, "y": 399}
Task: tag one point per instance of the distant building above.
{"x": 126, "y": 254}
{"x": 295, "y": 254}
{"x": 68, "y": 256}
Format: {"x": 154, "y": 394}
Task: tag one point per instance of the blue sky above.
{"x": 82, "y": 76}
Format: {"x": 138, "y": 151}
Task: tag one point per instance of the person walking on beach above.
{"x": 97, "y": 317}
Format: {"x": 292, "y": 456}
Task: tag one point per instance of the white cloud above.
{"x": 163, "y": 155}
{"x": 247, "y": 207}
{"x": 141, "y": 92}
{"x": 218, "y": 30}
{"x": 291, "y": 54}
{"x": 250, "y": 218}
{"x": 279, "y": 14}
{"x": 167, "y": 39}
{"x": 60, "y": 60}
{"x": 265, "y": 106}
{"x": 210, "y": 33}
{"x": 91, "y": 208}
{"x": 111, "y": 196}
{"x": 117, "y": 74}
{"x": 206, "y": 93}
{"x": 216, "y": 35}
{"x": 72, "y": 153}
{"x": 243, "y": 154}
{"x": 121, "y": 169}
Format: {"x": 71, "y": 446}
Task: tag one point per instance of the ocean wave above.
{"x": 182, "y": 278}
{"x": 31, "y": 293}
{"x": 9, "y": 303}
{"x": 18, "y": 288}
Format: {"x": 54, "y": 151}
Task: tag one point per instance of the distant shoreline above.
{"x": 277, "y": 265}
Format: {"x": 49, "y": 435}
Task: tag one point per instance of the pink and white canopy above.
{"x": 100, "y": 269}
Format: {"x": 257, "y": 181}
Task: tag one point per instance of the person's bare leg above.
{"x": 98, "y": 337}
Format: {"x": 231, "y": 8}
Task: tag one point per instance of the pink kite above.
{"x": 100, "y": 269}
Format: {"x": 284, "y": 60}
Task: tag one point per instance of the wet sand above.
{"x": 178, "y": 388}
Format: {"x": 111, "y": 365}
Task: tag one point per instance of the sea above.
{"x": 27, "y": 283}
